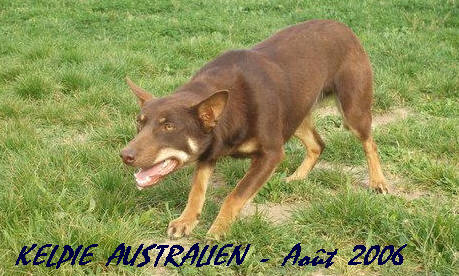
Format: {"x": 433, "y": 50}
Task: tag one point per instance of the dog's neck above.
{"x": 231, "y": 128}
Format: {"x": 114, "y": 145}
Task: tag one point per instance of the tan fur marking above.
{"x": 167, "y": 153}
{"x": 248, "y": 146}
{"x": 198, "y": 191}
{"x": 377, "y": 179}
{"x": 189, "y": 217}
{"x": 193, "y": 145}
{"x": 314, "y": 147}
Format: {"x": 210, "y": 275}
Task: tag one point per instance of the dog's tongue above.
{"x": 149, "y": 176}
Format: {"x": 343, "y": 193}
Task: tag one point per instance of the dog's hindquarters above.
{"x": 354, "y": 93}
{"x": 352, "y": 86}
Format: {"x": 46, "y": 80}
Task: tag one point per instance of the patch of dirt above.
{"x": 322, "y": 164}
{"x": 360, "y": 174}
{"x": 217, "y": 181}
{"x": 277, "y": 213}
{"x": 400, "y": 188}
{"x": 410, "y": 195}
{"x": 378, "y": 119}
{"x": 329, "y": 110}
{"x": 391, "y": 116}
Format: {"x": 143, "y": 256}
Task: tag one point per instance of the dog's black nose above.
{"x": 128, "y": 155}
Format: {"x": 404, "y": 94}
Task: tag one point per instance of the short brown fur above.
{"x": 249, "y": 103}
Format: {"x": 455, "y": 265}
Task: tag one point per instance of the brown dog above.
{"x": 248, "y": 103}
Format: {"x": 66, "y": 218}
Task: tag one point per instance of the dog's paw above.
{"x": 214, "y": 235}
{"x": 379, "y": 186}
{"x": 181, "y": 227}
{"x": 217, "y": 231}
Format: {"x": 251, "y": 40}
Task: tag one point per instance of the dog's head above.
{"x": 172, "y": 132}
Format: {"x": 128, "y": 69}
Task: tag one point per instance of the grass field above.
{"x": 65, "y": 112}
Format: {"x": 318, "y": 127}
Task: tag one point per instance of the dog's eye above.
{"x": 168, "y": 127}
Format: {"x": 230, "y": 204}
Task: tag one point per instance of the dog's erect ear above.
{"x": 210, "y": 109}
{"x": 141, "y": 94}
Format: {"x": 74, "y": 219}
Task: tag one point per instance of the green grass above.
{"x": 65, "y": 112}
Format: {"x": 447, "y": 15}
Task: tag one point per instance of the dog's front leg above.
{"x": 259, "y": 172}
{"x": 183, "y": 225}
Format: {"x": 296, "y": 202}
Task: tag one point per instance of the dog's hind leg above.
{"x": 354, "y": 91}
{"x": 314, "y": 146}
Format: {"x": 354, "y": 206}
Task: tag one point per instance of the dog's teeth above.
{"x": 146, "y": 180}
{"x": 164, "y": 165}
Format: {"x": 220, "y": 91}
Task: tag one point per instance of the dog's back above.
{"x": 279, "y": 80}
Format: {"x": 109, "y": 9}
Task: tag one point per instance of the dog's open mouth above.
{"x": 149, "y": 176}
